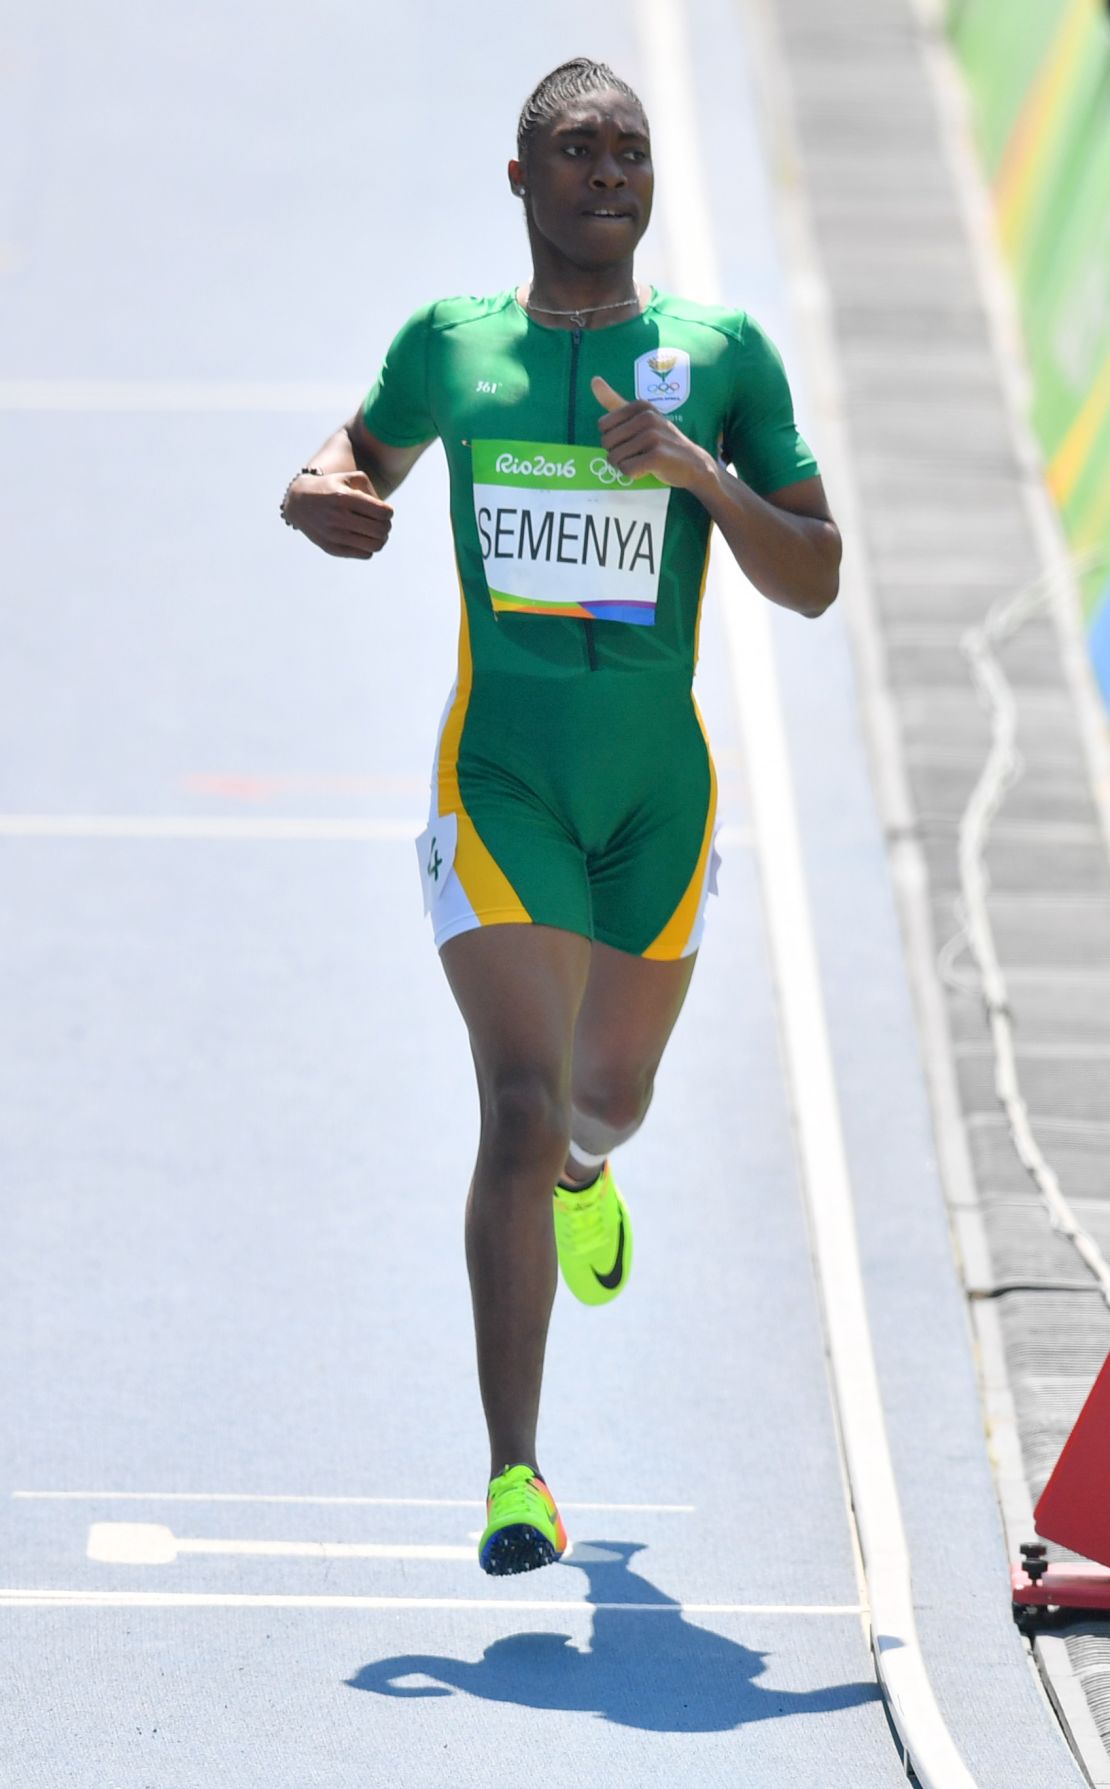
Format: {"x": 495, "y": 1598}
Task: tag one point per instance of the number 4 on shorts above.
{"x": 435, "y": 851}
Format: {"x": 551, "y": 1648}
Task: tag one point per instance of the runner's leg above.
{"x": 518, "y": 988}
{"x": 626, "y": 1017}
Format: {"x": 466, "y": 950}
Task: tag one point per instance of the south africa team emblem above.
{"x": 663, "y": 377}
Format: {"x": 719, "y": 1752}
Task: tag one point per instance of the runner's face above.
{"x": 589, "y": 180}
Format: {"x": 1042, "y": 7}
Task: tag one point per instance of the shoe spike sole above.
{"x": 516, "y": 1549}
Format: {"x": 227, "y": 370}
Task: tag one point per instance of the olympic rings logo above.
{"x": 607, "y": 474}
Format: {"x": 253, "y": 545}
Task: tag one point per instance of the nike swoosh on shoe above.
{"x": 612, "y": 1279}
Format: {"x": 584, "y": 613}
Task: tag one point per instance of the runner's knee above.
{"x": 525, "y": 1121}
{"x": 617, "y": 1102}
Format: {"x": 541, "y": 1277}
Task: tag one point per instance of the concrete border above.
{"x": 812, "y": 304}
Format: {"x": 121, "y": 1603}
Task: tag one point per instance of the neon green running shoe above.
{"x": 593, "y": 1235}
{"x": 523, "y": 1528}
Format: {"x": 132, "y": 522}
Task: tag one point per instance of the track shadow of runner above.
{"x": 645, "y": 1667}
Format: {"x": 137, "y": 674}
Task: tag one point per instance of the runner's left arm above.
{"x": 786, "y": 543}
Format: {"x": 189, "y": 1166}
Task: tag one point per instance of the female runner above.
{"x": 588, "y": 423}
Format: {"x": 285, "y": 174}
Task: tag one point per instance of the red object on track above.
{"x": 1074, "y": 1510}
{"x": 1077, "y": 1586}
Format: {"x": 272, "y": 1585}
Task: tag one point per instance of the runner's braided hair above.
{"x": 570, "y": 81}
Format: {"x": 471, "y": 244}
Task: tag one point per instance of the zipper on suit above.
{"x": 572, "y": 406}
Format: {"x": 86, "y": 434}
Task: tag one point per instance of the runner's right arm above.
{"x": 344, "y": 511}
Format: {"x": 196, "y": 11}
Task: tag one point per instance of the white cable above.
{"x": 1000, "y": 772}
{"x": 947, "y": 957}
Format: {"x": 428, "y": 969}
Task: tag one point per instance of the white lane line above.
{"x": 237, "y": 826}
{"x": 186, "y": 396}
{"x": 204, "y": 826}
{"x": 632, "y": 1509}
{"x": 149, "y": 1543}
{"x": 896, "y": 1647}
{"x": 203, "y": 1599}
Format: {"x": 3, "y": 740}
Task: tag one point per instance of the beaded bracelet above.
{"x": 310, "y": 471}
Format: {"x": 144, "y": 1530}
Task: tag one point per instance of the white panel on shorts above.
{"x": 708, "y": 887}
{"x": 450, "y": 910}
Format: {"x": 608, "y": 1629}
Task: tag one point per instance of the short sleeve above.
{"x": 760, "y": 437}
{"x": 397, "y": 407}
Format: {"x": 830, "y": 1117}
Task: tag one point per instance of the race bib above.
{"x": 564, "y": 533}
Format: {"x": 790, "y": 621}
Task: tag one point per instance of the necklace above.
{"x": 586, "y": 310}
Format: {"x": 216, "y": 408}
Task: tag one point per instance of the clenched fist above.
{"x": 339, "y": 513}
{"x": 638, "y": 440}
